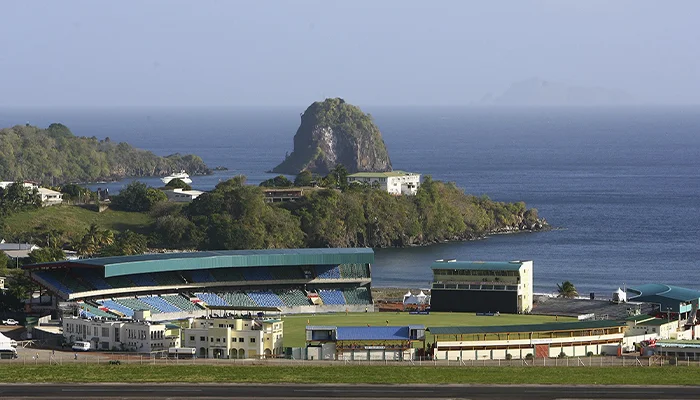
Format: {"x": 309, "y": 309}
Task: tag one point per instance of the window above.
{"x": 218, "y": 340}
{"x": 211, "y": 340}
{"x": 202, "y": 339}
{"x": 252, "y": 340}
{"x": 192, "y": 338}
{"x": 241, "y": 340}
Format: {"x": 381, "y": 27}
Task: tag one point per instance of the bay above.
{"x": 622, "y": 184}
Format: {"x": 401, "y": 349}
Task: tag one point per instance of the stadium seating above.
{"x": 327, "y": 272}
{"x": 93, "y": 278}
{"x": 257, "y": 274}
{"x": 180, "y": 302}
{"x": 119, "y": 282}
{"x": 286, "y": 273}
{"x": 201, "y": 275}
{"x": 357, "y": 296}
{"x": 52, "y": 279}
{"x": 212, "y": 299}
{"x": 160, "y": 304}
{"x": 332, "y": 297}
{"x": 354, "y": 271}
{"x": 167, "y": 278}
{"x": 144, "y": 280}
{"x": 266, "y": 299}
{"x": 237, "y": 299}
{"x": 227, "y": 274}
{"x": 112, "y": 305}
{"x": 293, "y": 297}
{"x": 136, "y": 304}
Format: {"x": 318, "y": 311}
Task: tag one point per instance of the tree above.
{"x": 279, "y": 181}
{"x": 46, "y": 255}
{"x": 56, "y": 130}
{"x": 178, "y": 183}
{"x": 126, "y": 243}
{"x": 4, "y": 261}
{"x": 304, "y": 178}
{"x": 137, "y": 197}
{"x": 567, "y": 290}
{"x": 340, "y": 175}
{"x": 75, "y": 192}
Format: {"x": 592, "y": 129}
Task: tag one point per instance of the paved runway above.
{"x": 253, "y": 391}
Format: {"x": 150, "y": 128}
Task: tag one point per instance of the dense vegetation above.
{"x": 54, "y": 155}
{"x": 235, "y": 216}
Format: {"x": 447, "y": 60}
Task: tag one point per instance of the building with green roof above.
{"x": 482, "y": 286}
{"x": 522, "y": 341}
{"x": 394, "y": 182}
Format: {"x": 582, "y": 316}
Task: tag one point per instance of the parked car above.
{"x": 9, "y": 322}
{"x": 81, "y": 346}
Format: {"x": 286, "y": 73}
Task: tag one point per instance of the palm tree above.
{"x": 567, "y": 290}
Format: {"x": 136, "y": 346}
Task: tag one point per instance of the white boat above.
{"x": 182, "y": 175}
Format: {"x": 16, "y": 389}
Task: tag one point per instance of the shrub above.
{"x": 509, "y": 356}
{"x": 562, "y": 355}
{"x": 589, "y": 354}
{"x": 529, "y": 356}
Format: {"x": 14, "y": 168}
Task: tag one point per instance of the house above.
{"x": 274, "y": 195}
{"x": 50, "y": 197}
{"x": 394, "y": 182}
{"x": 182, "y": 196}
{"x": 28, "y": 185}
{"x": 17, "y": 250}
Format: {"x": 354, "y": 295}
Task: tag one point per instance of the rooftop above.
{"x": 547, "y": 327}
{"x": 145, "y": 263}
{"x": 372, "y": 333}
{"x": 478, "y": 265}
{"x": 652, "y": 292}
{"x": 381, "y": 174}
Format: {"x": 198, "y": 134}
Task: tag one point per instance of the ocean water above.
{"x": 623, "y": 185}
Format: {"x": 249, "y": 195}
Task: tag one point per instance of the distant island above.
{"x": 54, "y": 156}
{"x": 331, "y": 133}
{"x": 539, "y": 92}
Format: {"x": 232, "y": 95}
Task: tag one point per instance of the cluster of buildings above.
{"x": 228, "y": 304}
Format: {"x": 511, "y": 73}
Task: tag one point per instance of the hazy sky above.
{"x": 368, "y": 52}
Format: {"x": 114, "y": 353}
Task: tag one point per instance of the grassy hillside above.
{"x": 294, "y": 325}
{"x": 73, "y": 221}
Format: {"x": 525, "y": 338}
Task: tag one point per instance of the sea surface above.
{"x": 623, "y": 185}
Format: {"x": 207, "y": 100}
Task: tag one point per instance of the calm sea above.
{"x": 622, "y": 184}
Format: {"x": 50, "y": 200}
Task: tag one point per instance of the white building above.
{"x": 50, "y": 197}
{"x": 182, "y": 196}
{"x": 27, "y": 185}
{"x": 235, "y": 337}
{"x": 394, "y": 182}
{"x": 138, "y": 336}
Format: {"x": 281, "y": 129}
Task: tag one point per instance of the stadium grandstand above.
{"x": 181, "y": 285}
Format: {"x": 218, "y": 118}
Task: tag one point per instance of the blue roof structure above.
{"x": 479, "y": 265}
{"x": 147, "y": 263}
{"x": 372, "y": 333}
{"x": 668, "y": 297}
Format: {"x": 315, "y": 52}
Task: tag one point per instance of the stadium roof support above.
{"x": 148, "y": 263}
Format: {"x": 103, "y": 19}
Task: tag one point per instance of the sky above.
{"x": 372, "y": 53}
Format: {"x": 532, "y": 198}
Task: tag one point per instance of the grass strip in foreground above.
{"x": 349, "y": 374}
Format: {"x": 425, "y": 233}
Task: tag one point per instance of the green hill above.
{"x": 71, "y": 222}
{"x": 54, "y": 156}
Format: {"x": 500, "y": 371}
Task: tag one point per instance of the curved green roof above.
{"x": 145, "y": 263}
{"x": 653, "y": 291}
{"x": 545, "y": 327}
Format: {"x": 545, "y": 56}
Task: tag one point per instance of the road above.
{"x": 253, "y": 391}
